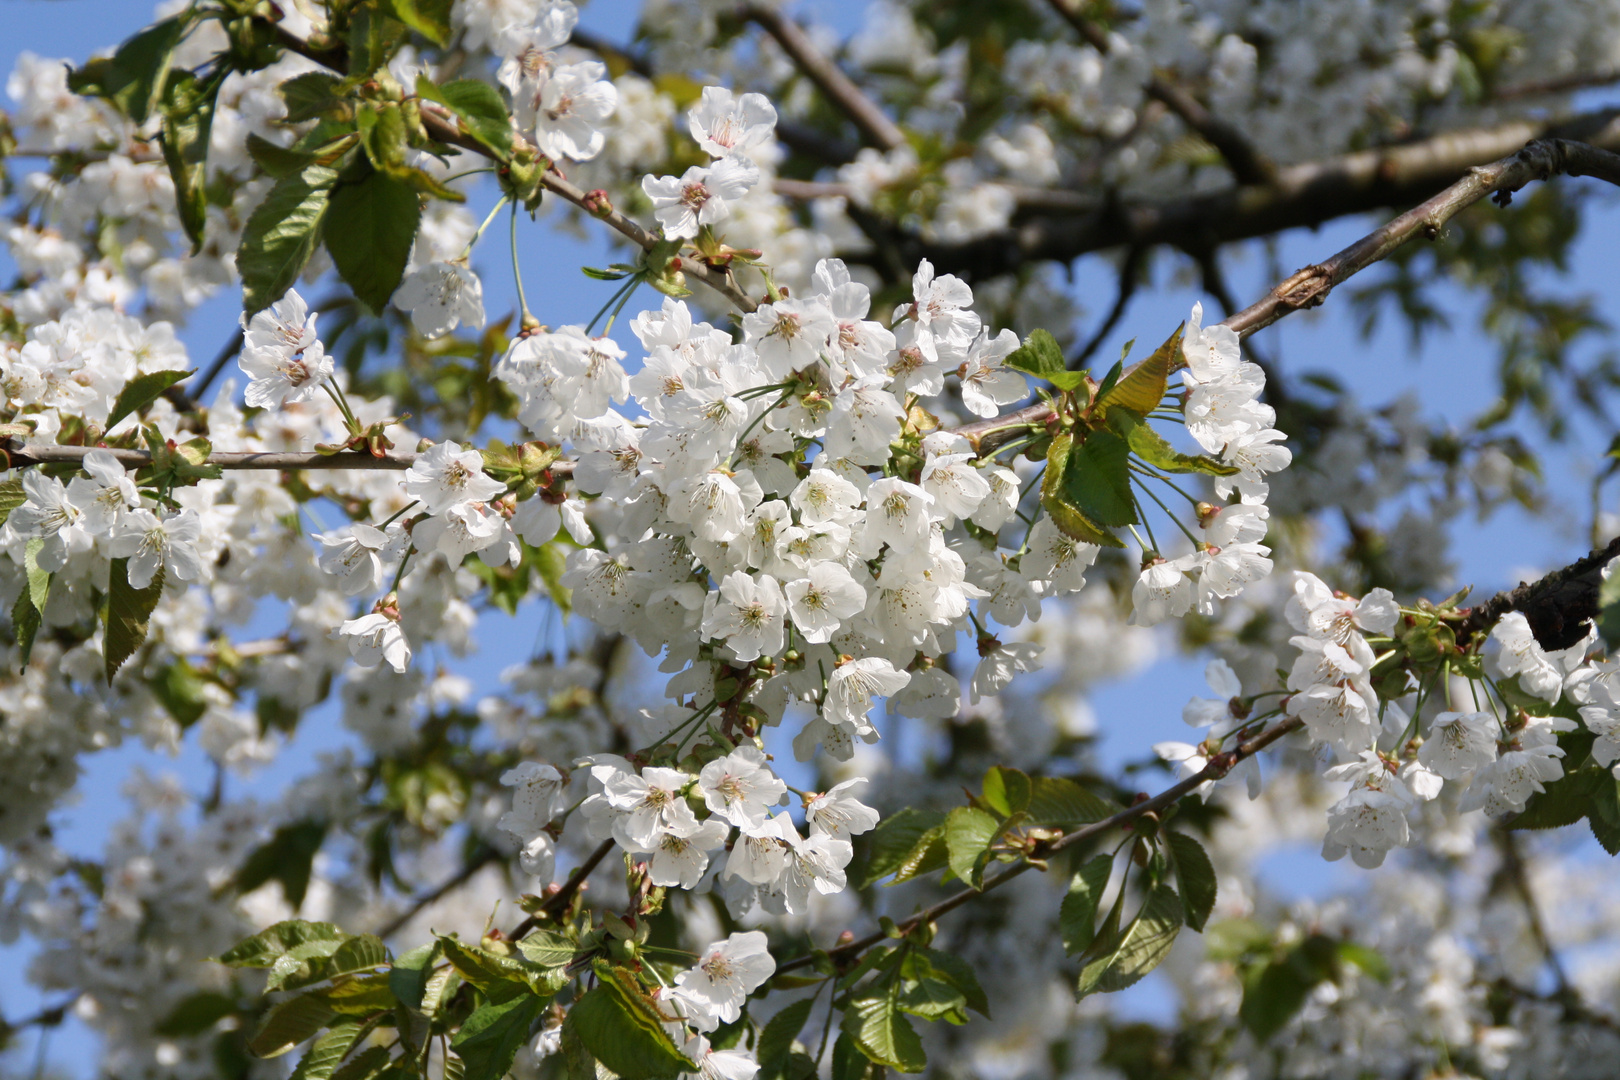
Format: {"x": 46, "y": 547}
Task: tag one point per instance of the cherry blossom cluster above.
{"x": 672, "y": 822}
{"x": 1223, "y": 412}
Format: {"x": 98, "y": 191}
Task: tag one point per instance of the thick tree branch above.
{"x": 1218, "y": 767}
{"x": 1556, "y": 606}
{"x": 20, "y": 456}
{"x": 1068, "y": 224}
{"x": 1540, "y": 160}
{"x": 1248, "y": 165}
{"x": 829, "y": 78}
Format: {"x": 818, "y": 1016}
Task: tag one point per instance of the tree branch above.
{"x": 1540, "y": 160}
{"x": 1068, "y": 224}
{"x": 1248, "y": 165}
{"x": 1218, "y": 767}
{"x": 559, "y": 900}
{"x": 1557, "y": 605}
{"x": 1130, "y": 272}
{"x": 829, "y": 78}
{"x": 481, "y": 859}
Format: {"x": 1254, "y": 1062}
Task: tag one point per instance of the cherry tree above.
{"x": 859, "y": 478}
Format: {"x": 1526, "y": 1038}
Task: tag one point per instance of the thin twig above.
{"x": 482, "y": 858}
{"x": 1248, "y": 165}
{"x": 1130, "y": 272}
{"x": 559, "y": 900}
{"x": 1218, "y": 767}
{"x": 1540, "y": 160}
{"x": 829, "y": 78}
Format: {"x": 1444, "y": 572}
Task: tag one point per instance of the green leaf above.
{"x": 1069, "y": 519}
{"x": 933, "y": 999}
{"x": 370, "y": 1062}
{"x": 280, "y": 236}
{"x": 430, "y": 18}
{"x": 270, "y": 944}
{"x": 848, "y": 1063}
{"x": 373, "y": 39}
{"x": 181, "y": 691}
{"x": 1370, "y": 961}
{"x": 382, "y": 133}
{"x": 12, "y": 496}
{"x": 287, "y": 857}
{"x": 490, "y": 1038}
{"x": 188, "y": 120}
{"x": 362, "y": 995}
{"x": 479, "y": 108}
{"x": 369, "y": 233}
{"x": 623, "y": 1038}
{"x": 290, "y": 1023}
{"x": 278, "y": 162}
{"x": 27, "y": 614}
{"x": 969, "y": 832}
{"x": 1272, "y": 994}
{"x": 879, "y": 1030}
{"x": 495, "y": 974}
{"x": 1141, "y": 948}
{"x": 441, "y": 989}
{"x": 128, "y": 611}
{"x": 1195, "y": 878}
{"x": 312, "y": 94}
{"x": 141, "y": 391}
{"x": 195, "y": 1014}
{"x": 1142, "y": 388}
{"x": 548, "y": 949}
{"x": 1041, "y": 357}
{"x": 1007, "y": 791}
{"x": 330, "y": 1049}
{"x": 1564, "y": 802}
{"x": 1152, "y": 448}
{"x": 1097, "y": 479}
{"x": 1605, "y": 833}
{"x": 408, "y": 977}
{"x": 776, "y": 1039}
{"x": 893, "y": 841}
{"x": 1058, "y": 801}
{"x": 133, "y": 76}
{"x": 1077, "y": 916}
{"x": 959, "y": 973}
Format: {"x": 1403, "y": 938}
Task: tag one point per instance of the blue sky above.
{"x": 1453, "y": 373}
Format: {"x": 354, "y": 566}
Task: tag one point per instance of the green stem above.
{"x": 630, "y": 283}
{"x": 399, "y": 514}
{"x": 465, "y": 252}
{"x": 1185, "y": 531}
{"x": 517, "y": 273}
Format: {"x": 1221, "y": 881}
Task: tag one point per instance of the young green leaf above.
{"x": 1195, "y": 878}
{"x": 1007, "y": 791}
{"x": 288, "y": 857}
{"x": 1139, "y": 949}
{"x": 848, "y": 1063}
{"x": 134, "y": 75}
{"x": 1077, "y": 915}
{"x": 548, "y": 949}
{"x": 195, "y": 1014}
{"x": 430, "y": 18}
{"x": 776, "y": 1038}
{"x": 626, "y": 1040}
{"x": 141, "y": 391}
{"x": 25, "y": 624}
{"x": 312, "y": 94}
{"x": 1039, "y": 355}
{"x": 12, "y": 496}
{"x": 959, "y": 973}
{"x": 1059, "y": 801}
{"x": 329, "y": 1050}
{"x": 408, "y": 975}
{"x": 1097, "y": 479}
{"x": 1272, "y": 994}
{"x": 969, "y": 832}
{"x": 290, "y": 1023}
{"x": 369, "y": 233}
{"x": 479, "y": 108}
{"x": 1070, "y": 520}
{"x": 490, "y": 1038}
{"x": 188, "y": 120}
{"x": 879, "y": 1030}
{"x": 374, "y": 37}
{"x": 280, "y": 236}
{"x": 1142, "y": 388}
{"x": 895, "y": 838}
{"x": 128, "y": 611}
{"x": 1152, "y": 448}
{"x": 270, "y": 944}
